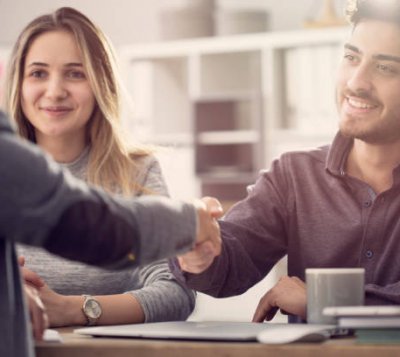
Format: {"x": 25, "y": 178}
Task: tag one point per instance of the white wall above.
{"x": 124, "y": 21}
{"x": 130, "y": 21}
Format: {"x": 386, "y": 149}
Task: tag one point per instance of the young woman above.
{"x": 63, "y": 93}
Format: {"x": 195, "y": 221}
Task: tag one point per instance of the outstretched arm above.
{"x": 44, "y": 206}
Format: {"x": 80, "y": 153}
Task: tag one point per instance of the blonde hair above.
{"x": 111, "y": 163}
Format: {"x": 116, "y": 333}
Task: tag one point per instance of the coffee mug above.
{"x": 332, "y": 287}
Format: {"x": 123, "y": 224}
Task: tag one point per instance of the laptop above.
{"x": 206, "y": 330}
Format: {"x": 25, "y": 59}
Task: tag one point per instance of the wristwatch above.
{"x": 91, "y": 309}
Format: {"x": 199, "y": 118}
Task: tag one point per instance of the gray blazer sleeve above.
{"x": 44, "y": 206}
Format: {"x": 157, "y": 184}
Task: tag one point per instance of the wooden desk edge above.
{"x": 76, "y": 346}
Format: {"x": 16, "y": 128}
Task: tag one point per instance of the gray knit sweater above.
{"x": 159, "y": 294}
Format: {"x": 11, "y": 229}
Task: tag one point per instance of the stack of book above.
{"x": 371, "y": 324}
{"x": 381, "y": 335}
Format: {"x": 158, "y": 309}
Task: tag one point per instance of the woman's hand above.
{"x": 61, "y": 310}
{"x": 29, "y": 276}
{"x": 37, "y": 312}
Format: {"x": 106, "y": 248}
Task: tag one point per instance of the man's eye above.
{"x": 349, "y": 57}
{"x": 385, "y": 68}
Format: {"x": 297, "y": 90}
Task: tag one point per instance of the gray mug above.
{"x": 332, "y": 287}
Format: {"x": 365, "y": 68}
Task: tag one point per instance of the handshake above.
{"x": 208, "y": 240}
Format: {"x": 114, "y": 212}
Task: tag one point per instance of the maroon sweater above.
{"x": 307, "y": 207}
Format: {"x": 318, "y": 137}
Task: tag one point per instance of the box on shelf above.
{"x": 239, "y": 21}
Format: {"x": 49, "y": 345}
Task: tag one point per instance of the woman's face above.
{"x": 57, "y": 98}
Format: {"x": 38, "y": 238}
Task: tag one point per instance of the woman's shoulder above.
{"x": 143, "y": 161}
{"x": 147, "y": 173}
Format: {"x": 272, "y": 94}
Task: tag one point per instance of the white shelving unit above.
{"x": 228, "y": 106}
{"x": 233, "y": 104}
{"x": 4, "y": 54}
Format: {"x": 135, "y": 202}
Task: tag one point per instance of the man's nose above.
{"x": 360, "y": 79}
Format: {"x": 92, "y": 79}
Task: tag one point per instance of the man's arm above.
{"x": 253, "y": 240}
{"x": 382, "y": 295}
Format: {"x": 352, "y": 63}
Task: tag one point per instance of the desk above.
{"x": 77, "y": 346}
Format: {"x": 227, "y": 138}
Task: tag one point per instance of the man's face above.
{"x": 368, "y": 85}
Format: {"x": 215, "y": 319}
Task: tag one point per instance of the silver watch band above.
{"x": 91, "y": 308}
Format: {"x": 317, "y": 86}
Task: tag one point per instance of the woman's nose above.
{"x": 56, "y": 88}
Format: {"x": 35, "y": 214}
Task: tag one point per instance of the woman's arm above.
{"x": 154, "y": 293}
{"x": 67, "y": 310}
{"x": 162, "y": 298}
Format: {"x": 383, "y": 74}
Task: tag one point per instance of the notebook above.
{"x": 211, "y": 331}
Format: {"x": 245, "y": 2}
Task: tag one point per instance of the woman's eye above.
{"x": 76, "y": 75}
{"x": 38, "y": 74}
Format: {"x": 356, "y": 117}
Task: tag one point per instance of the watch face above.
{"x": 92, "y": 308}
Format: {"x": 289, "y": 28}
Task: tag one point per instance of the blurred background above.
{"x": 137, "y": 21}
{"x": 222, "y": 87}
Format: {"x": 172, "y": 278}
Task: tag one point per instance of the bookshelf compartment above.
{"x": 225, "y": 160}
{"x": 161, "y": 103}
{"x": 223, "y": 115}
{"x": 238, "y": 101}
{"x": 233, "y": 72}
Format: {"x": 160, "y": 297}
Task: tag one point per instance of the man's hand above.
{"x": 289, "y": 295}
{"x": 208, "y": 242}
{"x": 37, "y": 313}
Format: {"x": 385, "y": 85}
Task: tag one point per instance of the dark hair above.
{"x": 386, "y": 10}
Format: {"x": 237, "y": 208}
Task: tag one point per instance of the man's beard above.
{"x": 378, "y": 133}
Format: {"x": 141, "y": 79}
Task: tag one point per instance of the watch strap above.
{"x": 91, "y": 321}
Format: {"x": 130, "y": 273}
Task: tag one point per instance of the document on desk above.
{"x": 51, "y": 336}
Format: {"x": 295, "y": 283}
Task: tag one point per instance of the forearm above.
{"x": 231, "y": 273}
{"x": 45, "y": 204}
{"x": 116, "y": 309}
{"x": 165, "y": 301}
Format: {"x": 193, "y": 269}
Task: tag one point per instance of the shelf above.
{"x": 226, "y": 175}
{"x": 228, "y": 137}
{"x": 227, "y": 95}
{"x": 176, "y": 139}
{"x": 236, "y": 43}
{"x": 238, "y": 102}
